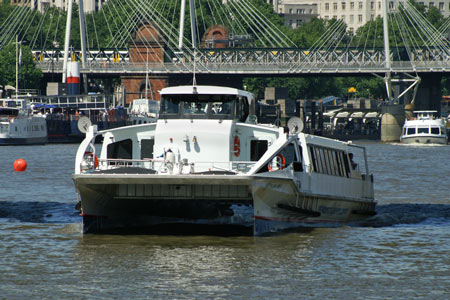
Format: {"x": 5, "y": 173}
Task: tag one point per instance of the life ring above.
{"x": 282, "y": 164}
{"x": 237, "y": 146}
{"x": 90, "y": 154}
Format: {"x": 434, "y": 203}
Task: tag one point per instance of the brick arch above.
{"x": 216, "y": 36}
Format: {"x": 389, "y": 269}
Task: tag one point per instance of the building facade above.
{"x": 355, "y": 13}
{"x": 41, "y": 5}
{"x": 295, "y": 13}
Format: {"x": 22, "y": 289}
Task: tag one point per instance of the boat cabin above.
{"x": 10, "y": 107}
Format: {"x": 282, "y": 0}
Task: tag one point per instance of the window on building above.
{"x": 441, "y": 6}
{"x": 290, "y": 11}
{"x": 391, "y": 5}
{"x": 431, "y": 4}
{"x": 352, "y": 5}
{"x": 359, "y": 18}
{"x": 343, "y": 18}
{"x": 327, "y": 6}
{"x": 351, "y": 19}
{"x": 360, "y": 5}
{"x": 299, "y": 22}
{"x": 335, "y": 6}
{"x": 379, "y": 4}
{"x": 372, "y": 5}
{"x": 343, "y": 5}
{"x": 350, "y": 30}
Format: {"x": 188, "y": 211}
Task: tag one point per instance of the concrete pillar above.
{"x": 392, "y": 122}
{"x": 429, "y": 94}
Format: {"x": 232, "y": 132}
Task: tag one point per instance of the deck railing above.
{"x": 181, "y": 167}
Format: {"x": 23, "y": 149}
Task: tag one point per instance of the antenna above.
{"x": 194, "y": 80}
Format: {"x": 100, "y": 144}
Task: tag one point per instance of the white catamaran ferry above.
{"x": 424, "y": 128}
{"x": 207, "y": 161}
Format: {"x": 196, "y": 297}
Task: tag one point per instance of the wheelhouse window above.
{"x": 435, "y": 130}
{"x": 201, "y": 106}
{"x": 422, "y": 130}
{"x": 411, "y": 130}
{"x": 170, "y": 106}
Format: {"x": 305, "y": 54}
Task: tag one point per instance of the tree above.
{"x": 29, "y": 75}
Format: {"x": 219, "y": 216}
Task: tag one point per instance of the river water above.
{"x": 402, "y": 253}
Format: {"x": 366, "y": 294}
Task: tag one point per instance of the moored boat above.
{"x": 62, "y": 114}
{"x": 143, "y": 111}
{"x": 18, "y": 126}
{"x": 424, "y": 128}
{"x": 207, "y": 161}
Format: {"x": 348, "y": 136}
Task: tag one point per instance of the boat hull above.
{"x": 114, "y": 202}
{"x": 66, "y": 131}
{"x": 23, "y": 141}
{"x": 279, "y": 206}
{"x": 440, "y": 140}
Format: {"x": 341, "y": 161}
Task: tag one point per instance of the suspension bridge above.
{"x": 227, "y": 37}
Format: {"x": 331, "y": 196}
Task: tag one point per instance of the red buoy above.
{"x": 20, "y": 165}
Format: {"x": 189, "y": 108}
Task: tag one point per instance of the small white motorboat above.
{"x": 424, "y": 128}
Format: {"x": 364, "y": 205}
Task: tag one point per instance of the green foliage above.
{"x": 46, "y": 31}
{"x": 366, "y": 87}
{"x": 29, "y": 75}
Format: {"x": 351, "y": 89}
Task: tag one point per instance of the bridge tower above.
{"x": 82, "y": 40}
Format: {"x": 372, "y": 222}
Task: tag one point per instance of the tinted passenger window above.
{"x": 257, "y": 149}
{"x": 147, "y": 148}
{"x": 122, "y": 149}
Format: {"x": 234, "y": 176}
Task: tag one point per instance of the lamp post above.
{"x": 17, "y": 66}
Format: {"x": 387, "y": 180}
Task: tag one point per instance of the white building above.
{"x": 88, "y": 5}
{"x": 296, "y": 13}
{"x": 355, "y": 13}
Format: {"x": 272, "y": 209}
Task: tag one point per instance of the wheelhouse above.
{"x": 204, "y": 103}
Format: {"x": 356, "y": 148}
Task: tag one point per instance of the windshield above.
{"x": 198, "y": 106}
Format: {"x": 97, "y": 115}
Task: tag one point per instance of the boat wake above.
{"x": 408, "y": 214}
{"x": 39, "y": 212}
{"x": 387, "y": 215}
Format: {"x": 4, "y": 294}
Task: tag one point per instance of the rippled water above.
{"x": 402, "y": 253}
